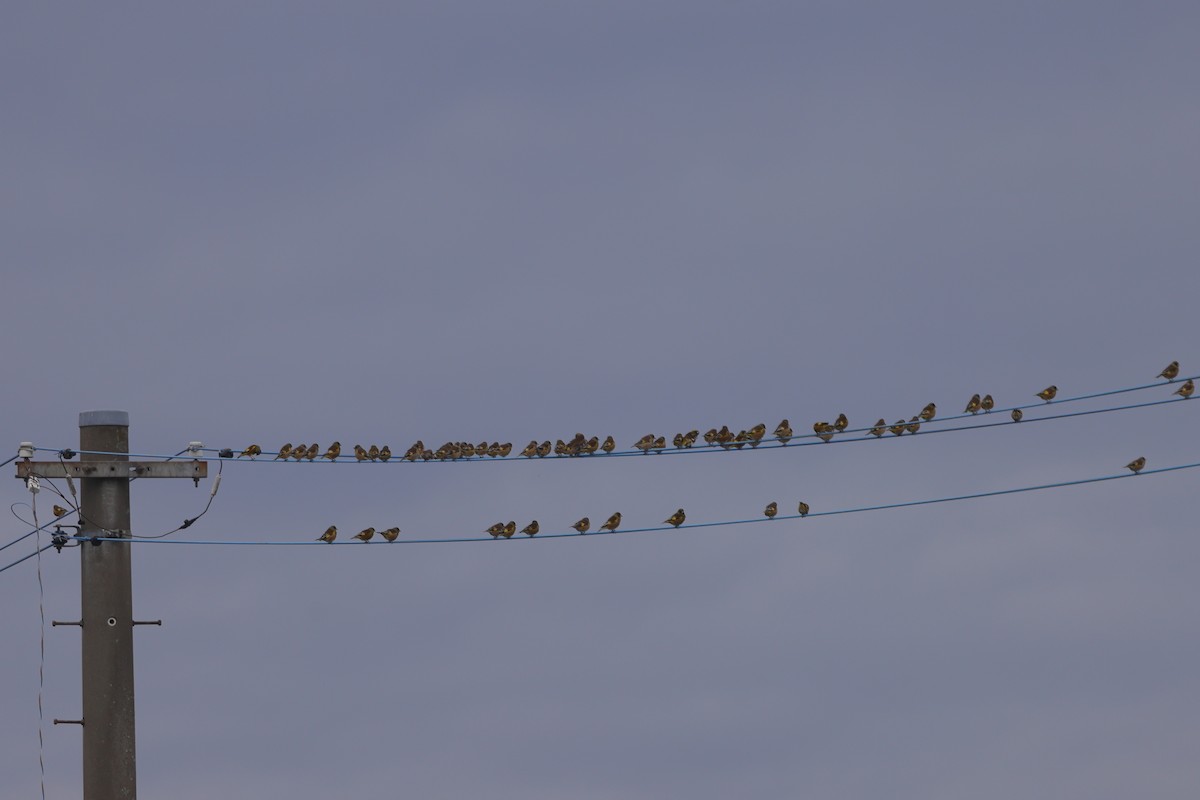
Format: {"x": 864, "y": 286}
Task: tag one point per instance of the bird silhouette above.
{"x": 841, "y": 423}
{"x": 582, "y": 525}
{"x": 899, "y": 427}
{"x": 609, "y": 445}
{"x": 612, "y": 523}
{"x": 390, "y": 534}
{"x": 58, "y": 510}
{"x": 530, "y": 449}
{"x": 913, "y": 425}
{"x": 509, "y": 529}
{"x": 928, "y": 412}
{"x": 365, "y": 534}
{"x": 284, "y": 452}
{"x": 299, "y": 451}
{"x": 531, "y": 529}
{"x": 1048, "y": 393}
{"x": 1137, "y": 464}
{"x": 329, "y": 535}
{"x": 803, "y": 509}
{"x": 496, "y": 530}
{"x": 987, "y": 403}
{"x": 1017, "y": 414}
{"x": 783, "y": 432}
{"x": 972, "y": 405}
{"x": 385, "y": 453}
{"x": 252, "y": 451}
{"x": 1171, "y": 372}
{"x": 359, "y": 453}
{"x": 313, "y": 449}
{"x": 771, "y": 510}
{"x": 334, "y": 451}
{"x": 675, "y": 519}
{"x": 544, "y": 449}
{"x": 1185, "y": 391}
{"x": 879, "y": 429}
{"x": 373, "y": 452}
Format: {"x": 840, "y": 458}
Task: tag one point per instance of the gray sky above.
{"x": 281, "y": 222}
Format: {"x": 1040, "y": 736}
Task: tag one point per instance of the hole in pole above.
{"x": 112, "y": 622}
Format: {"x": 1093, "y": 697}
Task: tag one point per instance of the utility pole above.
{"x": 106, "y": 594}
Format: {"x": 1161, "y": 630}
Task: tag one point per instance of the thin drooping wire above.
{"x": 808, "y": 439}
{"x": 6, "y": 463}
{"x": 33, "y": 493}
{"x": 722, "y": 523}
{"x": 187, "y": 523}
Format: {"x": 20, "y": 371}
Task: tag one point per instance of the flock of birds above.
{"x": 724, "y": 437}
{"x": 582, "y": 445}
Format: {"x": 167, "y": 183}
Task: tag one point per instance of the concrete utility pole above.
{"x": 106, "y": 594}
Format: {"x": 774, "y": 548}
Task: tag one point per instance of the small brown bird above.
{"x": 299, "y": 451}
{"x": 1017, "y": 414}
{"x": 972, "y": 405}
{"x": 690, "y": 438}
{"x": 360, "y": 453}
{"x": 609, "y": 445}
{"x": 841, "y": 423}
{"x": 928, "y": 412}
{"x": 530, "y": 449}
{"x": 385, "y": 453}
{"x": 334, "y": 451}
{"x": 803, "y": 509}
{"x": 675, "y": 519}
{"x": 252, "y": 451}
{"x": 612, "y": 523}
{"x": 365, "y": 534}
{"x": 987, "y": 403}
{"x": 496, "y": 530}
{"x": 506, "y": 449}
{"x": 899, "y": 427}
{"x": 390, "y": 534}
{"x": 710, "y": 436}
{"x": 879, "y": 429}
{"x": 329, "y": 535}
{"x": 509, "y": 529}
{"x": 531, "y": 529}
{"x": 583, "y": 525}
{"x": 1137, "y": 464}
{"x": 284, "y": 452}
{"x": 645, "y": 443}
{"x": 427, "y": 455}
{"x": 495, "y": 448}
{"x": 1171, "y": 372}
{"x": 660, "y": 444}
{"x": 1185, "y": 391}
{"x": 913, "y": 425}
{"x": 771, "y": 510}
{"x": 1048, "y": 393}
{"x": 544, "y": 449}
{"x": 783, "y": 432}
{"x": 58, "y": 511}
{"x": 373, "y": 452}
{"x": 678, "y": 441}
{"x": 313, "y": 449}
{"x": 826, "y": 432}
{"x": 757, "y": 433}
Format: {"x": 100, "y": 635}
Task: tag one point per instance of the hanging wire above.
{"x": 722, "y": 523}
{"x": 936, "y": 425}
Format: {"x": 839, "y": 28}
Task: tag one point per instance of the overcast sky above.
{"x": 276, "y": 222}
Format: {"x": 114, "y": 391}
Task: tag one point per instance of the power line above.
{"x": 722, "y": 523}
{"x": 767, "y": 444}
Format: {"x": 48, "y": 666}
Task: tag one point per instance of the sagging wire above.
{"x": 34, "y": 487}
{"x": 187, "y": 523}
{"x": 695, "y": 525}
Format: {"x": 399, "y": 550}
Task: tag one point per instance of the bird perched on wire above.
{"x": 675, "y": 519}
{"x": 1048, "y": 393}
{"x": 530, "y": 449}
{"x": 252, "y": 451}
{"x": 609, "y": 445}
{"x": 1017, "y": 414}
{"x": 783, "y": 432}
{"x": 365, "y": 534}
{"x": 841, "y": 423}
{"x": 771, "y": 510}
{"x": 59, "y": 510}
{"x": 373, "y": 452}
{"x": 1185, "y": 391}
{"x": 385, "y": 453}
{"x": 678, "y": 441}
{"x": 284, "y": 452}
{"x": 928, "y": 412}
{"x": 645, "y": 443}
{"x": 359, "y": 453}
{"x": 313, "y": 449}
{"x": 710, "y": 436}
{"x": 803, "y": 509}
{"x": 544, "y": 449}
{"x": 531, "y": 529}
{"x": 496, "y": 530}
{"x": 824, "y": 431}
{"x": 1171, "y": 372}
{"x": 299, "y": 451}
{"x": 390, "y": 534}
{"x": 689, "y": 438}
{"x": 757, "y": 433}
{"x": 612, "y": 523}
{"x": 329, "y": 535}
{"x": 1137, "y": 464}
{"x": 899, "y": 427}
{"x": 660, "y": 444}
{"x": 879, "y": 429}
{"x": 583, "y": 525}
{"x": 509, "y": 529}
{"x": 987, "y": 403}
{"x": 913, "y": 425}
{"x": 334, "y": 451}
{"x": 972, "y": 405}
